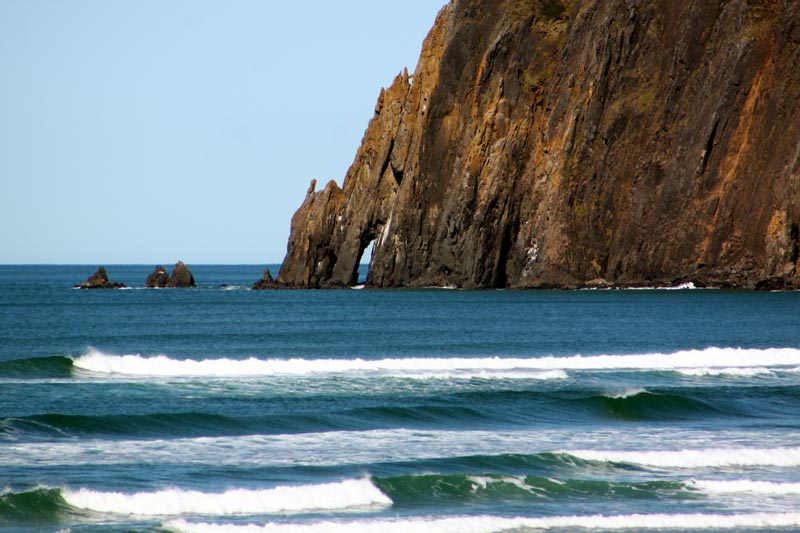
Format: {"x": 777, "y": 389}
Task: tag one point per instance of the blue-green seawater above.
{"x": 222, "y": 409}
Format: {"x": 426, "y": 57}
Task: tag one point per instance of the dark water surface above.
{"x": 224, "y": 409}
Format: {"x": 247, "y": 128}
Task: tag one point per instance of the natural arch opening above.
{"x": 364, "y": 260}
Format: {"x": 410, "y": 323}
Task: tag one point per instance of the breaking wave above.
{"x": 355, "y": 493}
{"x": 707, "y": 361}
{"x": 46, "y": 503}
{"x": 376, "y": 493}
{"x": 163, "y": 366}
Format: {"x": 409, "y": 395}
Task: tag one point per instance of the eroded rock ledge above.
{"x": 569, "y": 143}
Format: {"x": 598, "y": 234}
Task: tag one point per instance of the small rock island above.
{"x": 158, "y": 279}
{"x": 181, "y": 277}
{"x": 99, "y": 280}
{"x": 266, "y": 282}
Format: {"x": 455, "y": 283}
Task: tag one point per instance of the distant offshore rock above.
{"x": 181, "y": 276}
{"x": 158, "y": 279}
{"x": 99, "y": 280}
{"x": 266, "y": 282}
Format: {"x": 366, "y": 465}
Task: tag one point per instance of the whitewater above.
{"x": 488, "y": 524}
{"x": 286, "y": 499}
{"x": 713, "y": 360}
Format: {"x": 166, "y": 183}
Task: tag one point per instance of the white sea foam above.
{"x": 627, "y": 393}
{"x": 353, "y": 493}
{"x": 482, "y": 482}
{"x": 235, "y": 288}
{"x": 683, "y": 286}
{"x": 395, "y": 445}
{"x": 709, "y": 360}
{"x": 735, "y": 372}
{"x": 745, "y": 486}
{"x": 492, "y": 524}
{"x": 700, "y": 458}
{"x": 462, "y": 374}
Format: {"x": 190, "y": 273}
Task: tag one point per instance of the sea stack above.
{"x": 568, "y": 143}
{"x": 99, "y": 280}
{"x": 158, "y": 279}
{"x": 266, "y": 282}
{"x": 181, "y": 276}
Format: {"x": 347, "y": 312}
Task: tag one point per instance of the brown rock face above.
{"x": 181, "y": 276}
{"x": 158, "y": 279}
{"x": 99, "y": 280}
{"x": 557, "y": 143}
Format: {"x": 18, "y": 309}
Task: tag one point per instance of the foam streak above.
{"x": 701, "y": 458}
{"x": 490, "y": 524}
{"x": 745, "y": 486}
{"x": 363, "y": 447}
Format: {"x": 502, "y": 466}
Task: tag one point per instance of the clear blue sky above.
{"x": 150, "y": 131}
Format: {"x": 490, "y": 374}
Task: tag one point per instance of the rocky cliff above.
{"x": 555, "y": 143}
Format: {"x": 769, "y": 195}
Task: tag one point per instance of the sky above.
{"x": 150, "y": 131}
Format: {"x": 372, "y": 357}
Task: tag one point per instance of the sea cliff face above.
{"x": 563, "y": 144}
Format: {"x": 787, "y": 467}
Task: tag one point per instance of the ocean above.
{"x": 220, "y": 409}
